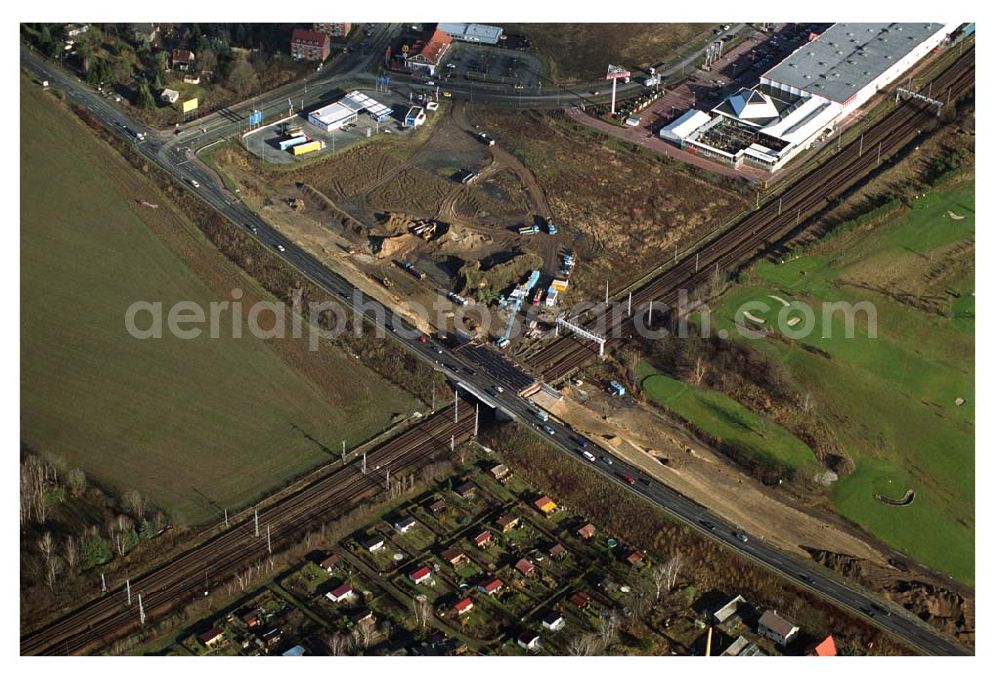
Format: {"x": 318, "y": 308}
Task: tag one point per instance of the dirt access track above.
{"x": 643, "y": 438}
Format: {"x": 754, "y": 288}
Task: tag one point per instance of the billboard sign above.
{"x": 615, "y": 72}
{"x": 189, "y": 105}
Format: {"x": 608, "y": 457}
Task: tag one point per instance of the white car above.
{"x": 429, "y": 83}
{"x": 280, "y": 247}
{"x": 432, "y": 105}
{"x": 195, "y": 184}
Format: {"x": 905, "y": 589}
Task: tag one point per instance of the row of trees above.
{"x": 58, "y": 545}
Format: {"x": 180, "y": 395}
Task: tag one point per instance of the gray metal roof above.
{"x": 848, "y": 56}
{"x": 472, "y": 32}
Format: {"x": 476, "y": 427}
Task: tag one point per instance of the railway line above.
{"x": 776, "y": 218}
{"x": 210, "y": 564}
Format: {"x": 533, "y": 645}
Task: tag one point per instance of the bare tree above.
{"x": 585, "y": 645}
{"x": 609, "y": 631}
{"x": 674, "y": 566}
{"x": 421, "y": 611}
{"x": 119, "y": 530}
{"x": 77, "y": 482}
{"x": 365, "y": 634}
{"x": 53, "y": 567}
{"x": 135, "y": 504}
{"x": 698, "y": 371}
{"x": 46, "y": 545}
{"x": 339, "y": 643}
{"x": 659, "y": 577}
{"x": 70, "y": 553}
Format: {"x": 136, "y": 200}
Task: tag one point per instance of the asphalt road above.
{"x": 795, "y": 568}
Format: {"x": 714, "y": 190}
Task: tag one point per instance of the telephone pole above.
{"x": 269, "y": 538}
{"x": 475, "y": 425}
{"x": 256, "y": 523}
{"x": 142, "y": 611}
{"x": 456, "y": 405}
{"x": 104, "y": 585}
{"x": 128, "y": 591}
{"x": 364, "y": 463}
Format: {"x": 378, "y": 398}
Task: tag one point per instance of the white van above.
{"x": 589, "y": 456}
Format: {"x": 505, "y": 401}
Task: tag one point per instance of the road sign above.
{"x": 256, "y": 117}
{"x": 615, "y": 72}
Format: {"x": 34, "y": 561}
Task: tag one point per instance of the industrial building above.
{"x": 415, "y": 117}
{"x": 337, "y": 114}
{"x": 487, "y": 35}
{"x": 806, "y": 95}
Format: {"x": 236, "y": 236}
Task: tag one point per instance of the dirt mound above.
{"x": 392, "y": 246}
{"x": 946, "y": 610}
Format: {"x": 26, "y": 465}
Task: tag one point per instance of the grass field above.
{"x": 570, "y": 52}
{"x": 758, "y": 439}
{"x": 190, "y": 423}
{"x": 891, "y": 398}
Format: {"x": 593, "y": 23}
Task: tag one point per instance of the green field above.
{"x": 197, "y": 424}
{"x": 754, "y": 437}
{"x": 890, "y": 398}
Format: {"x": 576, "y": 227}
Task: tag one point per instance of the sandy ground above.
{"x": 641, "y": 437}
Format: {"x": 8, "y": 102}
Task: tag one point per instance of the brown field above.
{"x": 626, "y": 210}
{"x": 569, "y": 54}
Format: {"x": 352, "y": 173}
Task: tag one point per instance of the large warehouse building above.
{"x": 337, "y": 114}
{"x": 807, "y": 94}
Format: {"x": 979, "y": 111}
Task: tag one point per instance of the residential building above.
{"x": 508, "y": 522}
{"x": 466, "y": 490}
{"x": 310, "y": 45}
{"x": 374, "y": 544}
{"x": 727, "y": 610}
{"x": 634, "y": 558}
{"x": 169, "y": 96}
{"x": 464, "y": 606}
{"x": 342, "y": 593}
{"x": 500, "y": 472}
{"x": 742, "y": 646}
{"x": 529, "y": 640}
{"x": 545, "y": 505}
{"x": 454, "y": 557}
{"x": 421, "y": 575}
{"x": 483, "y": 539}
{"x": 776, "y": 628}
{"x": 334, "y": 30}
{"x": 525, "y": 567}
{"x": 404, "y": 524}
{"x": 212, "y": 637}
{"x": 329, "y": 563}
{"x": 181, "y": 59}
{"x": 580, "y": 599}
{"x": 826, "y": 647}
{"x": 557, "y": 551}
{"x": 587, "y": 531}
{"x": 491, "y": 586}
{"x": 438, "y": 506}
{"x": 553, "y": 621}
{"x": 146, "y": 32}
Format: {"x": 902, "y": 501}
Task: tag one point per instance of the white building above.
{"x": 488, "y": 35}
{"x": 850, "y": 62}
{"x": 337, "y": 114}
{"x": 807, "y": 95}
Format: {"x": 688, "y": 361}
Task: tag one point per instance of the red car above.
{"x": 629, "y": 479}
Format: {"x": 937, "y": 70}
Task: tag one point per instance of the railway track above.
{"x": 775, "y": 219}
{"x": 210, "y": 564}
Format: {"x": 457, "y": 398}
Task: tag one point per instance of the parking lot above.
{"x": 484, "y": 63}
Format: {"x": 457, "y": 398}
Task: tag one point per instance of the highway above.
{"x": 796, "y": 568}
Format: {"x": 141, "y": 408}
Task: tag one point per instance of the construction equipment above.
{"x": 528, "y": 230}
